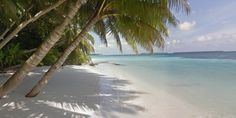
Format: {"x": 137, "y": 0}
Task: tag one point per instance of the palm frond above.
{"x": 113, "y": 31}
{"x": 101, "y": 29}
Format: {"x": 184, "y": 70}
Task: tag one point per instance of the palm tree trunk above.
{"x": 40, "y": 53}
{"x": 43, "y": 82}
{"x": 26, "y": 22}
{"x": 6, "y": 31}
{"x": 9, "y": 28}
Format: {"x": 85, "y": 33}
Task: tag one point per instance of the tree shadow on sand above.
{"x": 71, "y": 94}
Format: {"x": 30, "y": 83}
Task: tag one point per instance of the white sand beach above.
{"x": 84, "y": 92}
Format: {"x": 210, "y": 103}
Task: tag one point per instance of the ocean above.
{"x": 206, "y": 80}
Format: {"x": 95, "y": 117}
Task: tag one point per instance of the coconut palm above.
{"x": 40, "y": 53}
{"x": 118, "y": 18}
{"x": 81, "y": 54}
{"x": 25, "y": 23}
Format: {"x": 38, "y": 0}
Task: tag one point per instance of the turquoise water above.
{"x": 207, "y": 83}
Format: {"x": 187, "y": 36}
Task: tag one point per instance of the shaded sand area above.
{"x": 72, "y": 93}
{"x": 84, "y": 92}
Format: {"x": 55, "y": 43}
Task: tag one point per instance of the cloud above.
{"x": 224, "y": 40}
{"x": 186, "y": 26}
{"x": 204, "y": 38}
{"x": 217, "y": 36}
{"x": 172, "y": 42}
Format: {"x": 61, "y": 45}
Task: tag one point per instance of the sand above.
{"x": 84, "y": 92}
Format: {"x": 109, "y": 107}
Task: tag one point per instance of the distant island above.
{"x": 197, "y": 55}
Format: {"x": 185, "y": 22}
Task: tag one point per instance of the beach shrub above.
{"x": 50, "y": 58}
{"x": 78, "y": 57}
{"x": 11, "y": 55}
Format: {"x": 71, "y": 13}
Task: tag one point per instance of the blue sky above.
{"x": 211, "y": 26}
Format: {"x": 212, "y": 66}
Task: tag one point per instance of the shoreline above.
{"x": 97, "y": 92}
{"x": 157, "y": 102}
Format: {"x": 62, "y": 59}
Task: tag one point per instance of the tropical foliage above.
{"x": 13, "y": 12}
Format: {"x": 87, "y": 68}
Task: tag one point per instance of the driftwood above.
{"x": 107, "y": 62}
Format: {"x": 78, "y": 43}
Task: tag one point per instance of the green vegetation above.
{"x": 56, "y": 32}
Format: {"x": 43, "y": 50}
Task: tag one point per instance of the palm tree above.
{"x": 40, "y": 53}
{"x": 118, "y": 18}
{"x": 26, "y": 22}
{"x": 81, "y": 54}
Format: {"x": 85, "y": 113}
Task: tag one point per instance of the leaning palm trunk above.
{"x": 26, "y": 22}
{"x": 6, "y": 31}
{"x": 43, "y": 82}
{"x": 40, "y": 53}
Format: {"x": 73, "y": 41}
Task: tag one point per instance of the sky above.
{"x": 211, "y": 26}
